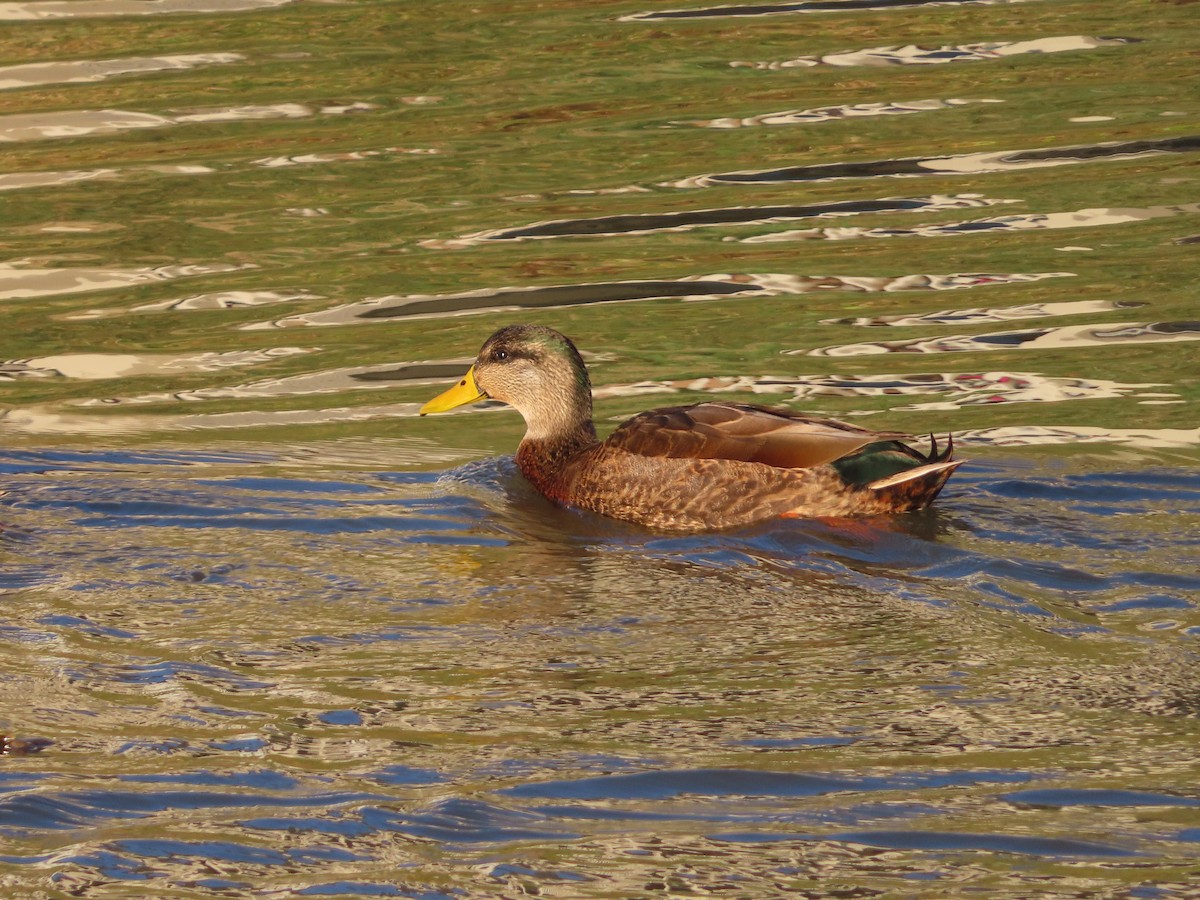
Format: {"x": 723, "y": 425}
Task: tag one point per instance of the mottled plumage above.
{"x": 689, "y": 468}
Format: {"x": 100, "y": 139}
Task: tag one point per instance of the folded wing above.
{"x": 744, "y": 432}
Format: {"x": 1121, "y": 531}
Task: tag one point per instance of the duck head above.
{"x": 534, "y": 369}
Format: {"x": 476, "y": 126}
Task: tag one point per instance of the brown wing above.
{"x": 740, "y": 431}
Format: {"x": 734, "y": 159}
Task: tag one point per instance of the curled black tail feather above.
{"x": 880, "y": 461}
{"x": 915, "y": 487}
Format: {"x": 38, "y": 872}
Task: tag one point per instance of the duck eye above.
{"x": 501, "y": 355}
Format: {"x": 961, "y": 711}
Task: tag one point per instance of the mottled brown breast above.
{"x": 685, "y": 494}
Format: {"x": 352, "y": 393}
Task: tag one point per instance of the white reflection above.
{"x": 87, "y": 70}
{"x": 309, "y": 159}
{"x": 100, "y": 366}
{"x": 912, "y": 54}
{"x": 76, "y": 123}
{"x": 214, "y": 300}
{"x": 956, "y": 389}
{"x": 1080, "y": 218}
{"x": 982, "y": 315}
{"x": 834, "y": 113}
{"x": 41, "y": 420}
{"x": 649, "y": 223}
{"x": 329, "y": 381}
{"x": 1031, "y": 339}
{"x": 88, "y": 9}
{"x": 18, "y": 180}
{"x": 228, "y": 300}
{"x": 1027, "y": 435}
{"x": 17, "y": 280}
{"x": 961, "y": 164}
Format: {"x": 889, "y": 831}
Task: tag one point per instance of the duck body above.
{"x": 689, "y": 468}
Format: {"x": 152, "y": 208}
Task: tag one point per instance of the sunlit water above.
{"x": 443, "y": 685}
{"x": 268, "y": 633}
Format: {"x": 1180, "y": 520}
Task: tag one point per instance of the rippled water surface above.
{"x": 267, "y": 633}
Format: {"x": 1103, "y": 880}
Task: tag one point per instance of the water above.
{"x": 267, "y": 633}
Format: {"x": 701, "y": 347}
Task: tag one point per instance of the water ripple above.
{"x": 89, "y": 70}
{"x": 833, "y": 113}
{"x": 1030, "y": 339}
{"x": 957, "y": 164}
{"x": 691, "y": 288}
{"x": 648, "y": 223}
{"x": 797, "y": 6}
{"x": 56, "y": 9}
{"x": 912, "y": 54}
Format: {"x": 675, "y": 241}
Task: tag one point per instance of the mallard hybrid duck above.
{"x": 688, "y": 468}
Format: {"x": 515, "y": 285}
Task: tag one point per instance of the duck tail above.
{"x": 915, "y": 488}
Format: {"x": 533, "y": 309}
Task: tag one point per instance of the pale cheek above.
{"x": 529, "y": 380}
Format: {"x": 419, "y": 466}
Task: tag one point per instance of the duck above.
{"x": 705, "y": 467}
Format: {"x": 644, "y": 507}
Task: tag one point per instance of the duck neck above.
{"x": 543, "y": 457}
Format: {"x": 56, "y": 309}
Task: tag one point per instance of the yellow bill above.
{"x": 461, "y": 394}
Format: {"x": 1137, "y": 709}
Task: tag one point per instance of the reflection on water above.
{"x": 26, "y": 180}
{"x": 797, "y": 6}
{"x": 326, "y": 382}
{"x": 694, "y": 288}
{"x": 77, "y": 123}
{"x": 1041, "y": 435}
{"x": 84, "y": 70}
{"x": 962, "y": 389}
{"x": 19, "y": 180}
{"x": 959, "y": 164}
{"x": 647, "y": 223}
{"x": 92, "y": 366}
{"x": 913, "y": 55}
{"x": 1029, "y": 339}
{"x": 1080, "y": 218}
{"x": 835, "y": 113}
{"x": 957, "y": 389}
{"x": 980, "y": 315}
{"x": 57, "y": 9}
{"x": 17, "y": 279}
{"x": 40, "y": 420}
{"x": 309, "y": 159}
{"x": 257, "y": 688}
{"x": 276, "y": 635}
{"x": 214, "y": 300}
